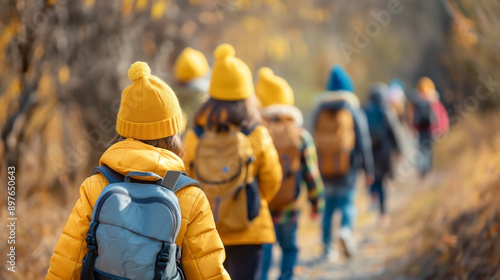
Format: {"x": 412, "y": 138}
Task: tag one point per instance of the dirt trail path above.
{"x": 374, "y": 247}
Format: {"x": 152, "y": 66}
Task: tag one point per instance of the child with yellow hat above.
{"x": 299, "y": 162}
{"x": 430, "y": 119}
{"x": 148, "y": 125}
{"x": 192, "y": 79}
{"x": 232, "y": 105}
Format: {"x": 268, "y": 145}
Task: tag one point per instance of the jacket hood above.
{"x": 133, "y": 155}
{"x": 378, "y": 93}
{"x": 339, "y": 80}
{"x": 339, "y": 95}
{"x": 397, "y": 83}
{"x": 284, "y": 110}
{"x": 396, "y": 92}
{"x": 200, "y": 84}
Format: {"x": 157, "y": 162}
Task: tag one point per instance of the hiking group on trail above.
{"x": 204, "y": 192}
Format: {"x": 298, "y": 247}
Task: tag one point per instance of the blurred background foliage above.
{"x": 63, "y": 63}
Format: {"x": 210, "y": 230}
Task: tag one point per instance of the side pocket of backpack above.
{"x": 253, "y": 199}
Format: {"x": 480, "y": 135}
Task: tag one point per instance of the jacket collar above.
{"x": 133, "y": 155}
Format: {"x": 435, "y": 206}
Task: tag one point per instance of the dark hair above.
{"x": 171, "y": 143}
{"x": 242, "y": 113}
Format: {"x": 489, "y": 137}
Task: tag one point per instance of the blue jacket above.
{"x": 385, "y": 131}
{"x": 361, "y": 156}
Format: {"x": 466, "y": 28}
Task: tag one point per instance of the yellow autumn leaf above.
{"x": 253, "y": 25}
{"x": 278, "y": 49}
{"x": 243, "y": 4}
{"x": 318, "y": 15}
{"x": 6, "y": 35}
{"x": 149, "y": 47}
{"x": 64, "y": 74}
{"x": 39, "y": 51}
{"x": 277, "y": 8}
{"x": 127, "y": 6}
{"x": 89, "y": 3}
{"x": 141, "y": 5}
{"x": 8, "y": 102}
{"x": 159, "y": 8}
{"x": 46, "y": 87}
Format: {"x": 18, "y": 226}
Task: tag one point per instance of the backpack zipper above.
{"x": 147, "y": 200}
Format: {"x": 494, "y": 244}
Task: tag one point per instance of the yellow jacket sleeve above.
{"x": 190, "y": 144}
{"x": 269, "y": 171}
{"x": 202, "y": 249}
{"x": 66, "y": 262}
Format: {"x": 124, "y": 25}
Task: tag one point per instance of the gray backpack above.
{"x": 134, "y": 227}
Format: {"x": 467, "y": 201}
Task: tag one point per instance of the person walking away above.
{"x": 192, "y": 79}
{"x": 232, "y": 155}
{"x": 147, "y": 147}
{"x": 344, "y": 147}
{"x": 385, "y": 133}
{"x": 396, "y": 99}
{"x": 430, "y": 120}
{"x": 299, "y": 163}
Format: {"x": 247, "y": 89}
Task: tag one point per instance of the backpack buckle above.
{"x": 90, "y": 238}
{"x": 163, "y": 257}
{"x": 91, "y": 242}
{"x": 162, "y": 261}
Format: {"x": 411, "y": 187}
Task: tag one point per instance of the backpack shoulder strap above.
{"x": 248, "y": 131}
{"x": 176, "y": 180}
{"x": 185, "y": 181}
{"x": 110, "y": 175}
{"x": 199, "y": 130}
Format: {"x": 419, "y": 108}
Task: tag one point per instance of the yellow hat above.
{"x": 231, "y": 78}
{"x": 190, "y": 64}
{"x": 426, "y": 85}
{"x": 273, "y": 90}
{"x": 427, "y": 89}
{"x": 149, "y": 108}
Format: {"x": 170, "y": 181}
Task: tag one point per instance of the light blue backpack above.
{"x": 134, "y": 227}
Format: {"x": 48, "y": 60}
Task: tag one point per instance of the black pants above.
{"x": 243, "y": 262}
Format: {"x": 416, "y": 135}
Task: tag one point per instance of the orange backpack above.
{"x": 335, "y": 139}
{"x": 224, "y": 166}
{"x": 286, "y": 138}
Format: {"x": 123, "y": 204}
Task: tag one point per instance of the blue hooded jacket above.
{"x": 340, "y": 94}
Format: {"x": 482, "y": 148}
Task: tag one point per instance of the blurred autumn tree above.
{"x": 63, "y": 63}
{"x": 475, "y": 45}
{"x": 58, "y": 74}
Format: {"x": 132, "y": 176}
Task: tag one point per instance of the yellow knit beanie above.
{"x": 273, "y": 90}
{"x": 190, "y": 64}
{"x": 149, "y": 108}
{"x": 425, "y": 85}
{"x": 231, "y": 78}
{"x": 427, "y": 88}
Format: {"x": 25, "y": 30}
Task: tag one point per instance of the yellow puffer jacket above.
{"x": 202, "y": 249}
{"x": 269, "y": 175}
